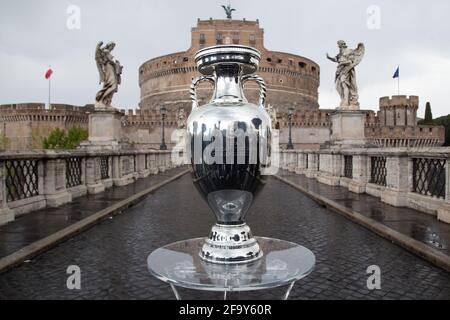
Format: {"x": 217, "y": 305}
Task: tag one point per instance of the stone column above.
{"x": 93, "y": 178}
{"x": 397, "y": 173}
{"x": 6, "y": 214}
{"x": 55, "y": 190}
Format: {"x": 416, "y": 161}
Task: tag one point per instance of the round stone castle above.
{"x": 292, "y": 80}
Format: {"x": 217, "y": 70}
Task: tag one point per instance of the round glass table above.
{"x": 180, "y": 265}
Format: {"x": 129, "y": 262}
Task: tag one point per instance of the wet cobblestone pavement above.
{"x": 112, "y": 255}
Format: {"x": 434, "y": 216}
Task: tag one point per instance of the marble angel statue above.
{"x": 347, "y": 60}
{"x": 110, "y": 72}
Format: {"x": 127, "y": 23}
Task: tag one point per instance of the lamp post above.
{"x": 163, "y": 111}
{"x": 290, "y": 146}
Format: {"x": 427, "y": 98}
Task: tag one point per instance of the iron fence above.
{"x": 21, "y": 179}
{"x": 378, "y": 170}
{"x": 104, "y": 167}
{"x": 429, "y": 177}
{"x": 73, "y": 172}
{"x": 348, "y": 167}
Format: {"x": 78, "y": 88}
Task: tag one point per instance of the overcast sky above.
{"x": 34, "y": 34}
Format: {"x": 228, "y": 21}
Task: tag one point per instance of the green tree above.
{"x": 444, "y": 121}
{"x": 58, "y": 139}
{"x": 75, "y": 136}
{"x": 428, "y": 115}
{"x": 55, "y": 139}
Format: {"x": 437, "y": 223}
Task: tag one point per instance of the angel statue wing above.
{"x": 100, "y": 60}
{"x": 358, "y": 54}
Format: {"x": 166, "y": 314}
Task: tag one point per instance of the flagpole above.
{"x": 398, "y": 81}
{"x": 49, "y": 89}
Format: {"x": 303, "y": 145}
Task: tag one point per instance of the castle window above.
{"x": 202, "y": 39}
{"x": 252, "y": 40}
{"x": 219, "y": 38}
{"x": 291, "y": 62}
{"x": 269, "y": 59}
{"x": 235, "y": 38}
{"x": 280, "y": 61}
{"x": 313, "y": 69}
{"x": 302, "y": 64}
{"x": 185, "y": 59}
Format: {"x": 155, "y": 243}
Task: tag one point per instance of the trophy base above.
{"x": 230, "y": 244}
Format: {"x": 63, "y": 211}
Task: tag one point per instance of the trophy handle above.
{"x": 262, "y": 88}
{"x": 193, "y": 89}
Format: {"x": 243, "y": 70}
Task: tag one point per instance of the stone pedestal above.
{"x": 348, "y": 128}
{"x": 105, "y": 130}
{"x": 105, "y": 126}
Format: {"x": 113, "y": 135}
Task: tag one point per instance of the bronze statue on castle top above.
{"x": 228, "y": 11}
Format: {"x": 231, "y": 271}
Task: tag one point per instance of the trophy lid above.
{"x": 207, "y": 58}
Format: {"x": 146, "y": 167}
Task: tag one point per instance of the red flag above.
{"x": 49, "y": 73}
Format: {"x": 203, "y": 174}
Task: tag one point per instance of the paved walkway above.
{"x": 412, "y": 223}
{"x": 112, "y": 255}
{"x": 35, "y": 226}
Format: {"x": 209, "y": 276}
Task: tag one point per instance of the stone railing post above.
{"x": 93, "y": 177}
{"x": 300, "y": 167}
{"x": 167, "y": 160}
{"x": 6, "y": 214}
{"x": 292, "y": 160}
{"x": 396, "y": 190}
{"x": 160, "y": 162}
{"x": 141, "y": 166}
{"x": 360, "y": 174}
{"x": 287, "y": 155}
{"x": 152, "y": 163}
{"x": 313, "y": 161}
{"x": 443, "y": 212}
{"x": 123, "y": 170}
{"x": 330, "y": 168}
{"x": 55, "y": 190}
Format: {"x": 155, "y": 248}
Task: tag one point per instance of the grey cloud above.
{"x": 33, "y": 34}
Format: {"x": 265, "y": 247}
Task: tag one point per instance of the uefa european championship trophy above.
{"x": 228, "y": 147}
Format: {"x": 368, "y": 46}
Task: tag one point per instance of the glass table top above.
{"x": 179, "y": 264}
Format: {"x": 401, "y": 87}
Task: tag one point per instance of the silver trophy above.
{"x": 229, "y": 147}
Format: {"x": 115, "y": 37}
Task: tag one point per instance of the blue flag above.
{"x": 397, "y": 73}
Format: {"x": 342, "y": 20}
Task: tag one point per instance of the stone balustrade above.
{"x": 34, "y": 180}
{"x": 404, "y": 177}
